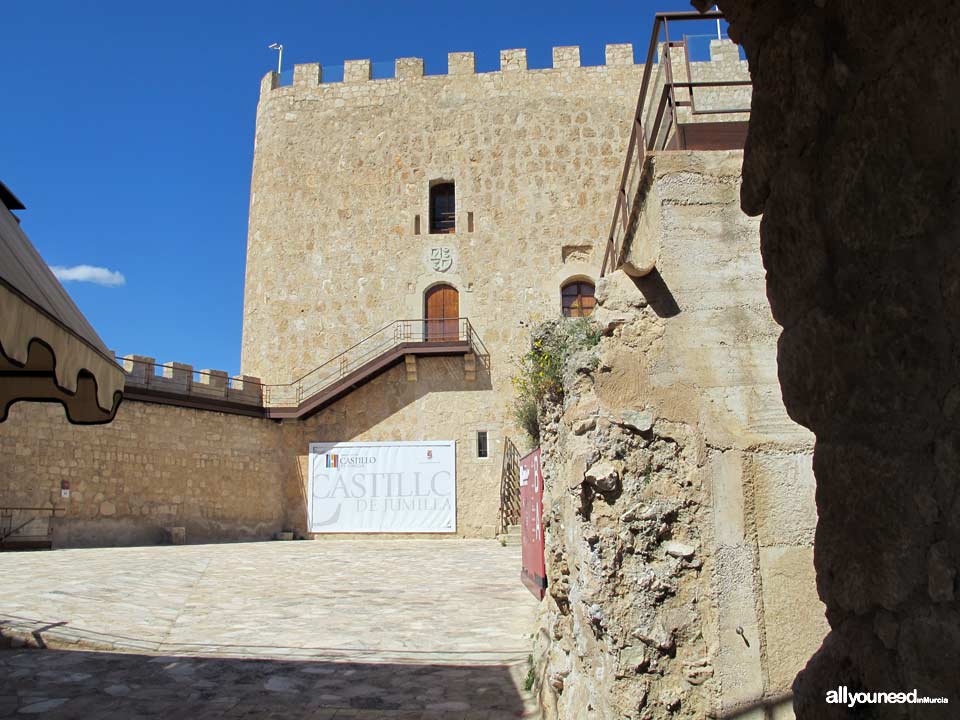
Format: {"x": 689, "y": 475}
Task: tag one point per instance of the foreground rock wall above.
{"x": 679, "y": 505}
{"x": 852, "y": 157}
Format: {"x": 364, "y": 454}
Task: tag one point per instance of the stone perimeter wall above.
{"x": 155, "y": 466}
{"x": 229, "y": 477}
{"x": 679, "y": 504}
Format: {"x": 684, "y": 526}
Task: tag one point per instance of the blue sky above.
{"x": 127, "y": 131}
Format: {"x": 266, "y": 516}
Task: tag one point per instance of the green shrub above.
{"x": 540, "y": 371}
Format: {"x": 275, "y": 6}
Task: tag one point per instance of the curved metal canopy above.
{"x": 48, "y": 350}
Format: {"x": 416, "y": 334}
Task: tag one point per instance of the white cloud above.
{"x": 89, "y": 273}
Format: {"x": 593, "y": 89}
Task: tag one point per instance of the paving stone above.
{"x": 328, "y": 630}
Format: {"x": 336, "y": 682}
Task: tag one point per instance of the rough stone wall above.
{"x": 230, "y": 477}
{"x": 852, "y": 157}
{"x": 155, "y": 466}
{"x": 342, "y": 171}
{"x": 679, "y": 495}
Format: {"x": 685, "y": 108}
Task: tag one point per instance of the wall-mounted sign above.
{"x": 383, "y": 487}
{"x": 441, "y": 259}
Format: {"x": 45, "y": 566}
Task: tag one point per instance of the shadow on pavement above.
{"x": 110, "y": 686}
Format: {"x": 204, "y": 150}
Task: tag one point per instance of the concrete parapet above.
{"x": 211, "y": 382}
{"x": 138, "y": 368}
{"x": 246, "y": 388}
{"x": 177, "y": 379}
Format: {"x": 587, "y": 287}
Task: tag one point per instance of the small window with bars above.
{"x": 483, "y": 449}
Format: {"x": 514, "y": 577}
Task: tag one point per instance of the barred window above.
{"x": 482, "y": 449}
{"x": 577, "y": 298}
{"x": 443, "y": 208}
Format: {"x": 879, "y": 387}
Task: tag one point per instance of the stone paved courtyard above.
{"x": 320, "y": 630}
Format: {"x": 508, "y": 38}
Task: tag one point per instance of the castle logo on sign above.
{"x": 441, "y": 259}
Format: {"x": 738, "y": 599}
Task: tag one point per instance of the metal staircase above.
{"x": 211, "y": 390}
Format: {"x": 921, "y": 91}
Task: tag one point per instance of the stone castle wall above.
{"x": 219, "y": 476}
{"x": 340, "y": 186}
{"x": 341, "y": 170}
{"x": 679, "y": 502}
{"x": 230, "y": 477}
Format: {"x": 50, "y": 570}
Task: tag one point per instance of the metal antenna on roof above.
{"x": 279, "y": 48}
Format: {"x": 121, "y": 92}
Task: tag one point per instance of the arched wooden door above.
{"x": 441, "y": 312}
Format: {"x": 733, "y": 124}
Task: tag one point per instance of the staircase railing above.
{"x": 655, "y": 120}
{"x": 439, "y": 332}
{"x": 27, "y": 524}
{"x": 509, "y": 486}
{"x": 249, "y": 396}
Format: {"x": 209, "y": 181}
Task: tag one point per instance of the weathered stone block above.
{"x": 511, "y": 60}
{"x": 461, "y": 63}
{"x": 356, "y": 71}
{"x": 619, "y": 54}
{"x": 724, "y": 51}
{"x": 269, "y": 82}
{"x": 307, "y": 75}
{"x": 785, "y": 488}
{"x": 790, "y": 601}
{"x": 407, "y": 68}
{"x": 566, "y": 57}
{"x": 738, "y": 665}
{"x": 724, "y": 473}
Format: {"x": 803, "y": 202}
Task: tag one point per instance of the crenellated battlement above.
{"x": 458, "y": 64}
{"x": 180, "y": 379}
{"x": 723, "y": 55}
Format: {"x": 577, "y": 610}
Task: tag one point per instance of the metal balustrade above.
{"x": 27, "y": 527}
{"x": 180, "y": 384}
{"x": 657, "y": 123}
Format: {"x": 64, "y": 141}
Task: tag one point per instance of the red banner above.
{"x": 533, "y": 574}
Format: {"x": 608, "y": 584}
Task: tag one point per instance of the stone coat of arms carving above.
{"x": 441, "y": 259}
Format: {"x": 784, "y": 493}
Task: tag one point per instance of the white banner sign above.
{"x": 383, "y": 487}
